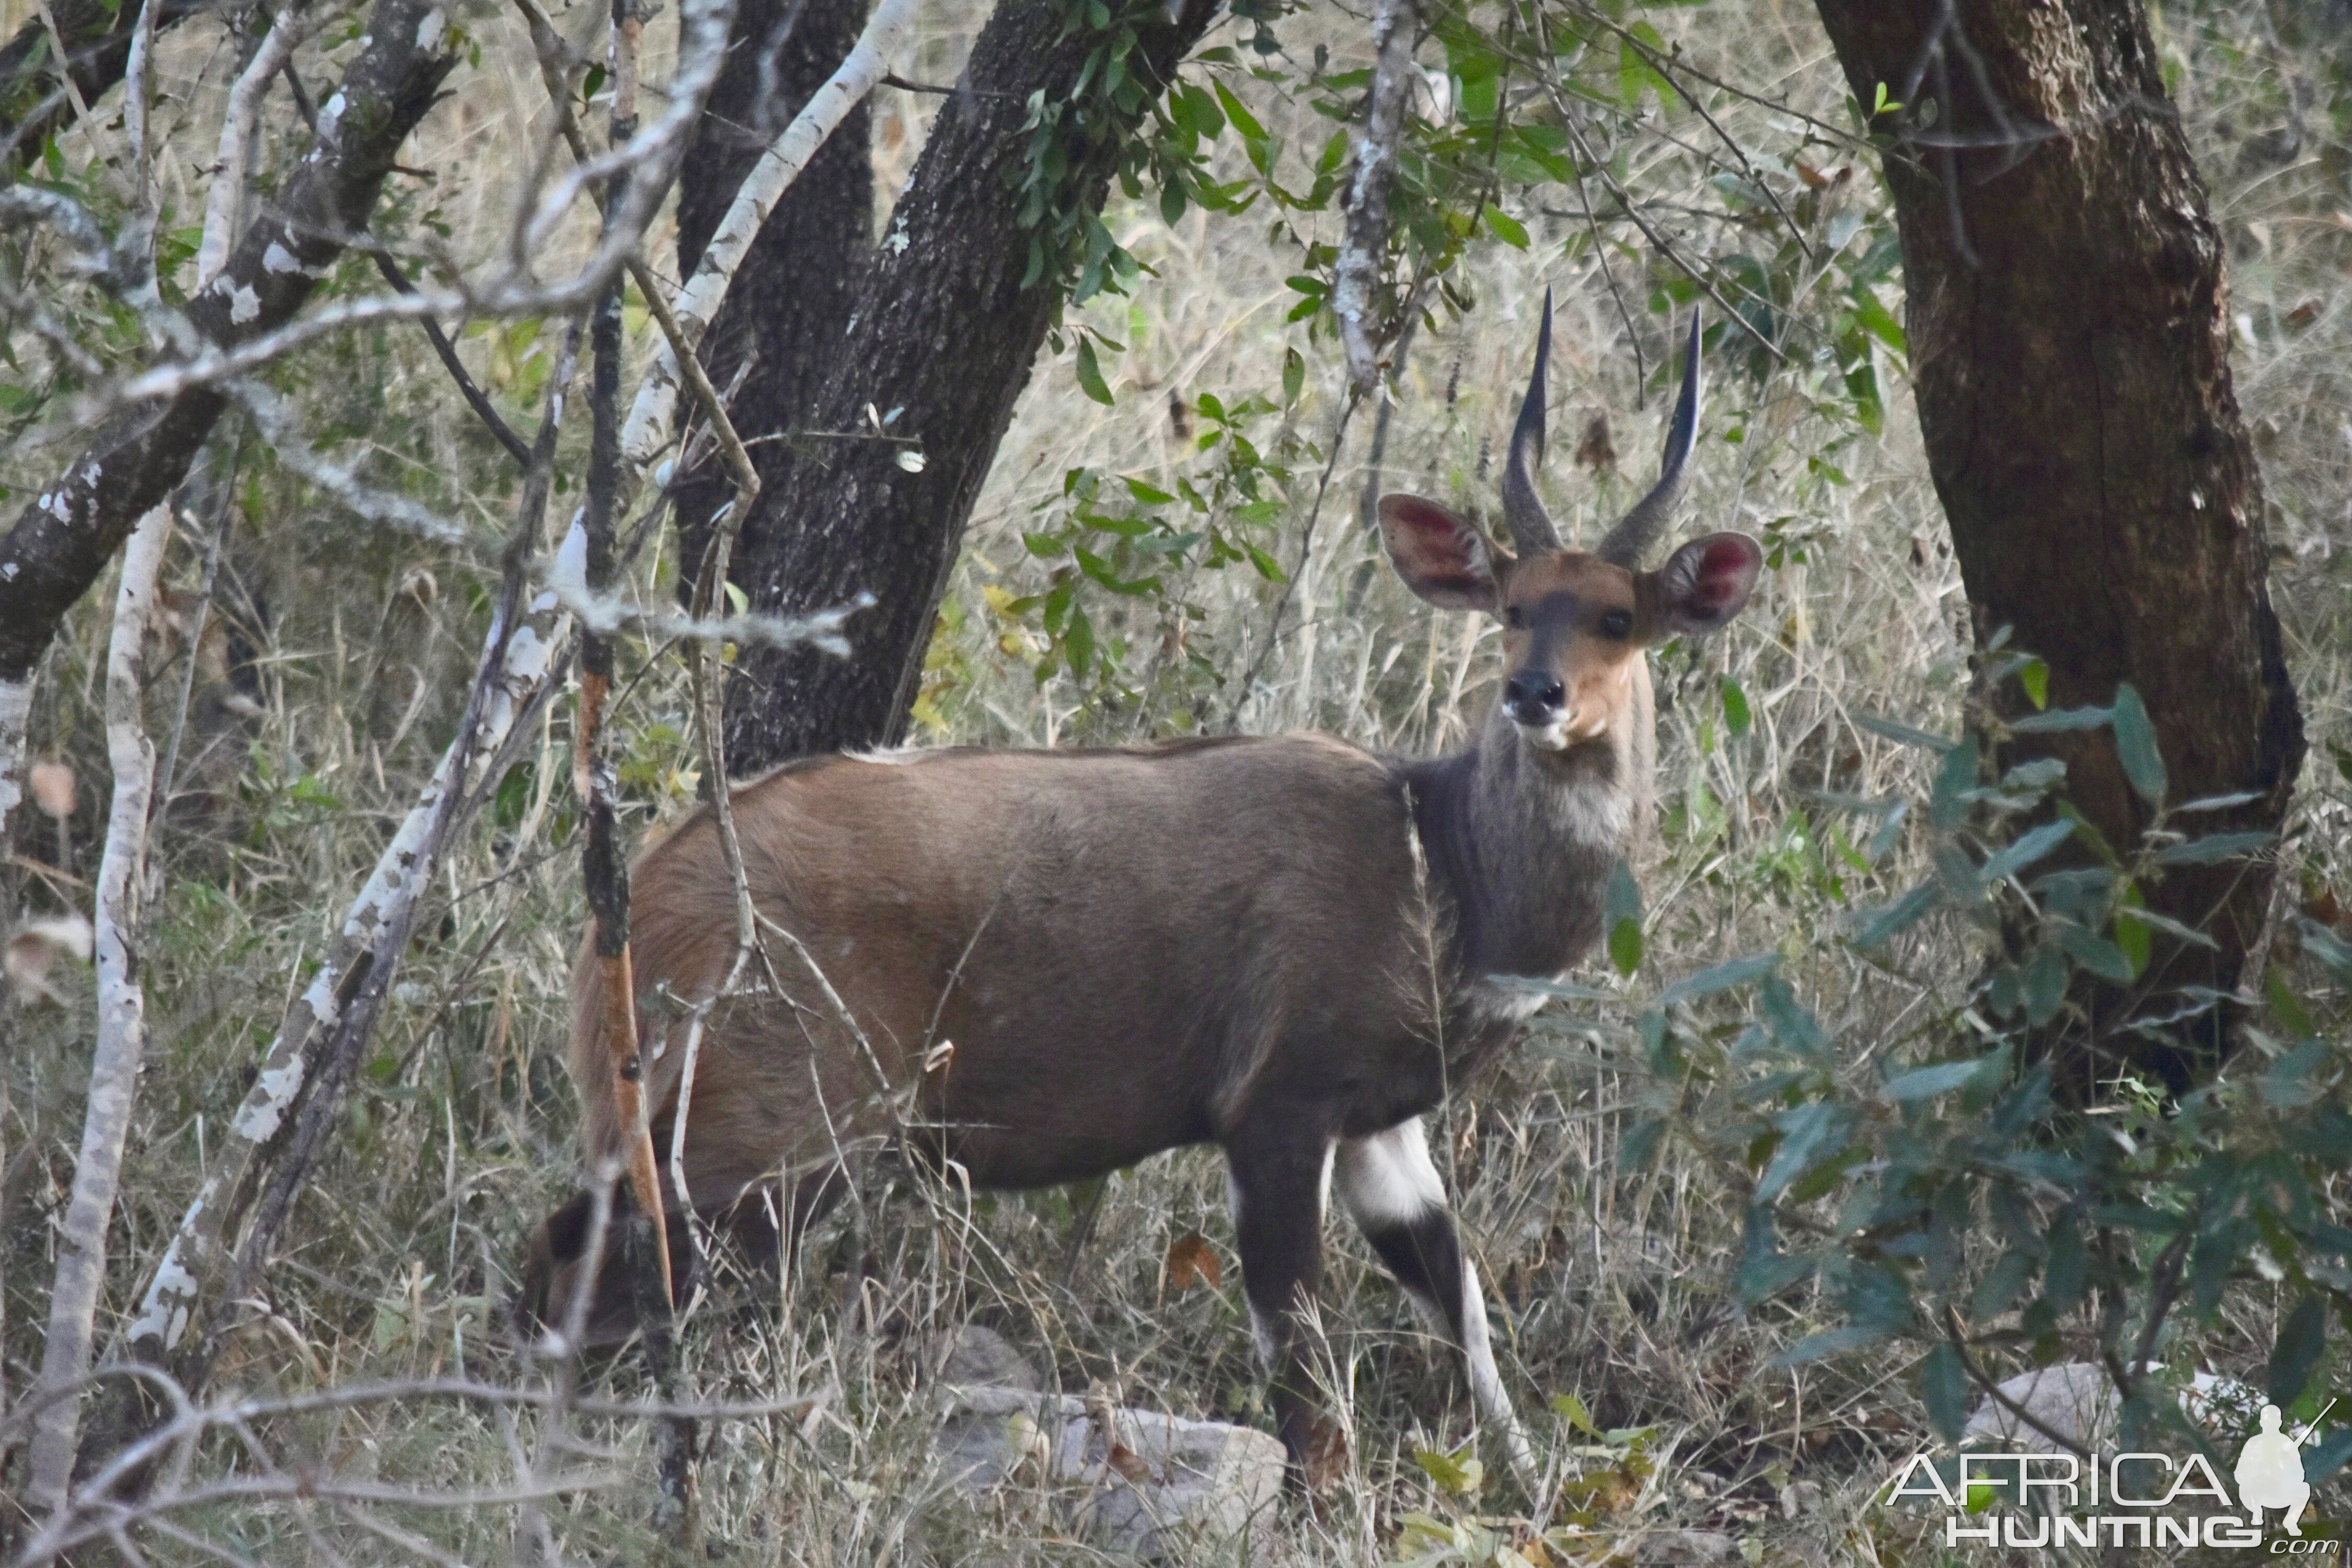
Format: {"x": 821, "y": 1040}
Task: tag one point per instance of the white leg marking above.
{"x": 1386, "y": 1178}
{"x": 1487, "y": 1380}
{"x": 1323, "y": 1186}
{"x": 1262, "y": 1340}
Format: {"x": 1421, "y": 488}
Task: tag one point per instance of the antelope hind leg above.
{"x": 1279, "y": 1186}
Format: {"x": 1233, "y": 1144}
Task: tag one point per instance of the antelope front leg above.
{"x": 1389, "y": 1186}
{"x": 1281, "y": 1182}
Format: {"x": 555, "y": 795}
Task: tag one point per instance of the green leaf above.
{"x": 1955, "y": 785}
{"x": 1090, "y": 377}
{"x": 2035, "y": 676}
{"x": 1503, "y": 226}
{"x": 1242, "y": 119}
{"x": 2095, "y": 953}
{"x": 1640, "y": 1144}
{"x": 1807, "y": 1133}
{"x": 1722, "y": 977}
{"x": 2067, "y": 1273}
{"x": 1874, "y": 319}
{"x": 1897, "y": 916}
{"x": 2133, "y": 938}
{"x": 2218, "y": 802}
{"x": 2212, "y": 849}
{"x": 2061, "y": 719}
{"x": 1625, "y": 946}
{"x": 1620, "y": 912}
{"x": 1735, "y": 716}
{"x": 2289, "y": 1080}
{"x": 1457, "y": 1475}
{"x": 2002, "y": 1284}
{"x": 1830, "y": 1342}
{"x": 1903, "y": 734}
{"x": 1294, "y": 376}
{"x": 1572, "y": 1408}
{"x": 2301, "y": 1340}
{"x": 1923, "y": 1083}
{"x": 1943, "y": 1388}
{"x": 2029, "y": 848}
{"x": 2135, "y": 746}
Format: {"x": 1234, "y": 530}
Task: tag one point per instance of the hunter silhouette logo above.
{"x": 2270, "y": 1474}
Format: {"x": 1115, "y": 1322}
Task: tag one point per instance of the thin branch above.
{"x": 1977, "y": 1374}
{"x": 121, "y": 1024}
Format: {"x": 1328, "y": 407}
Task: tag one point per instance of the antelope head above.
{"x": 1574, "y": 621}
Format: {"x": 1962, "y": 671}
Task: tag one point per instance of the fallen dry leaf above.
{"x": 37, "y": 944}
{"x": 1190, "y": 1257}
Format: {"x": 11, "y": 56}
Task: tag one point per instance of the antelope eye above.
{"x": 1514, "y": 617}
{"x": 1618, "y": 625}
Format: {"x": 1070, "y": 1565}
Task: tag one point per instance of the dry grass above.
{"x": 1613, "y": 1284}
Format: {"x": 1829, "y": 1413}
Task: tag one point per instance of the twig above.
{"x": 713, "y": 407}
{"x": 1977, "y": 1374}
{"x": 1306, "y": 544}
{"x": 169, "y": 771}
{"x": 1665, "y": 246}
{"x": 1666, "y": 73}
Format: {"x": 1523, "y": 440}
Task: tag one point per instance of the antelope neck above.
{"x": 1520, "y": 843}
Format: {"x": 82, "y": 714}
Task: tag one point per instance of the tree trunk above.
{"x": 945, "y": 332}
{"x": 2069, "y": 337}
{"x": 97, "y": 37}
{"x": 789, "y": 302}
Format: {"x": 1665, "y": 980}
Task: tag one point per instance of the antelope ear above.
{"x": 1705, "y": 583}
{"x": 1441, "y": 557}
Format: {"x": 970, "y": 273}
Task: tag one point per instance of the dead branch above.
{"x": 122, "y": 1023}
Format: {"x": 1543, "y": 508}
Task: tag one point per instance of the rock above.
{"x": 977, "y": 1357}
{"x": 1678, "y": 1548}
{"x": 1168, "y": 1482}
{"x": 2075, "y": 1400}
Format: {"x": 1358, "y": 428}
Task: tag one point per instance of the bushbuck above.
{"x": 1042, "y": 967}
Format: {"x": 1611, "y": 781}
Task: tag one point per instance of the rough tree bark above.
{"x": 2069, "y": 336}
{"x": 946, "y": 332}
{"x": 789, "y": 304}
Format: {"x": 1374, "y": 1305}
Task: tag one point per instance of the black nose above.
{"x": 1534, "y": 696}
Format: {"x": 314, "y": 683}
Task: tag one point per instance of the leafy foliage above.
{"x": 1935, "y": 1188}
